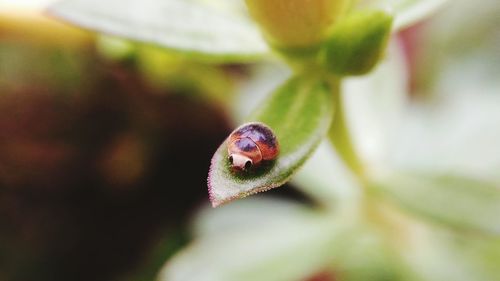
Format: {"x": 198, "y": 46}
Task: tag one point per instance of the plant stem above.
{"x": 340, "y": 136}
{"x": 370, "y": 211}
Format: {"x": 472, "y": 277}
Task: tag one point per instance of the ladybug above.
{"x": 250, "y": 144}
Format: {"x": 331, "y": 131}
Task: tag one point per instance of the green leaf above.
{"x": 363, "y": 253}
{"x": 437, "y": 253}
{"x": 356, "y": 43}
{"x": 282, "y": 240}
{"x": 409, "y": 12}
{"x": 180, "y": 25}
{"x": 406, "y": 12}
{"x": 246, "y": 215}
{"x": 299, "y": 113}
{"x": 286, "y": 242}
{"x": 458, "y": 201}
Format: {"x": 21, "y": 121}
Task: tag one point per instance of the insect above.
{"x": 250, "y": 144}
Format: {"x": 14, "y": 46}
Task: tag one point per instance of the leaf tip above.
{"x": 211, "y": 196}
{"x": 215, "y": 204}
{"x": 214, "y": 199}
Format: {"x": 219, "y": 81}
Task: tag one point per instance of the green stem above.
{"x": 371, "y": 211}
{"x": 340, "y": 136}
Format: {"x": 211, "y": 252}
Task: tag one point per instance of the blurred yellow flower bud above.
{"x": 296, "y": 23}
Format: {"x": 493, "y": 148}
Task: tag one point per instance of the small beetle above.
{"x": 251, "y": 143}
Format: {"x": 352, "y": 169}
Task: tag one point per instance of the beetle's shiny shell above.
{"x": 255, "y": 141}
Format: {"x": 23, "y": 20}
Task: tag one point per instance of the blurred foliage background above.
{"x": 105, "y": 146}
{"x": 101, "y": 161}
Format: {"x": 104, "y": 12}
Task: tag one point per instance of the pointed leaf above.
{"x": 458, "y": 201}
{"x": 180, "y": 25}
{"x": 299, "y": 113}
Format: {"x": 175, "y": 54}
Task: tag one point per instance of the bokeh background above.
{"x": 105, "y": 144}
{"x": 104, "y": 149}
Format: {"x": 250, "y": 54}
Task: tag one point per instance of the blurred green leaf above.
{"x": 300, "y": 113}
{"x": 409, "y": 12}
{"x": 365, "y": 255}
{"x": 462, "y": 202}
{"x": 291, "y": 244}
{"x": 406, "y": 12}
{"x": 185, "y": 26}
{"x": 460, "y": 50}
{"x": 283, "y": 240}
{"x": 356, "y": 43}
{"x": 437, "y": 254}
{"x": 246, "y": 215}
